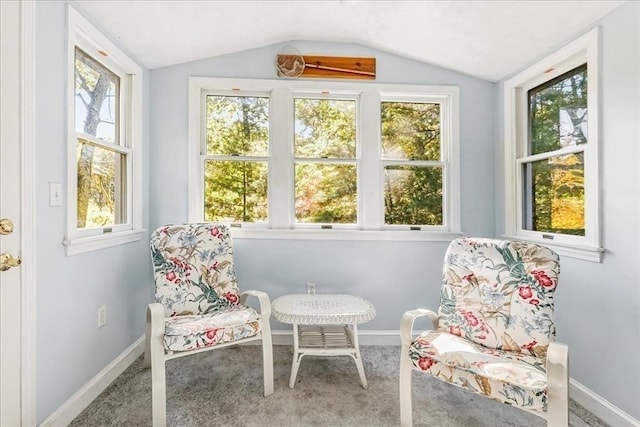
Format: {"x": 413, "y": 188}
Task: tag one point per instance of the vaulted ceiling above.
{"x": 486, "y": 39}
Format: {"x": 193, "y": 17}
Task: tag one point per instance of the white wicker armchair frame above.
{"x": 556, "y": 364}
{"x": 156, "y": 357}
{"x": 157, "y": 354}
{"x": 557, "y": 374}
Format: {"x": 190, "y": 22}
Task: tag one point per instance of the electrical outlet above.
{"x": 102, "y": 316}
{"x": 311, "y": 288}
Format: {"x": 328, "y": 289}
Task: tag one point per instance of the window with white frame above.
{"x": 293, "y": 155}
{"x": 104, "y": 172}
{"x": 325, "y": 163}
{"x": 551, "y": 145}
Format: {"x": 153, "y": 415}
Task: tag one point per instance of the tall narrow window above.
{"x": 412, "y": 162}
{"x": 554, "y": 165}
{"x": 551, "y": 150}
{"x": 104, "y": 124}
{"x": 236, "y": 160}
{"x": 101, "y": 151}
{"x": 326, "y": 187}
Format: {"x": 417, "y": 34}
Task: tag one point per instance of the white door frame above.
{"x": 20, "y": 17}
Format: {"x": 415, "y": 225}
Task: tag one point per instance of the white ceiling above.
{"x": 486, "y": 39}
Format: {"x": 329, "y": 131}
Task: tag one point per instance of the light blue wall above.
{"x": 598, "y": 305}
{"x": 394, "y": 276}
{"x": 70, "y": 348}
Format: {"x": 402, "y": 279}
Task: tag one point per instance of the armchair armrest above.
{"x": 408, "y": 319}
{"x": 263, "y": 300}
{"x": 155, "y": 332}
{"x": 155, "y": 319}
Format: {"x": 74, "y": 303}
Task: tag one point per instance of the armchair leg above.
{"x": 405, "y": 388}
{"x": 147, "y": 344}
{"x": 557, "y": 385}
{"x": 158, "y": 385}
{"x": 267, "y": 359}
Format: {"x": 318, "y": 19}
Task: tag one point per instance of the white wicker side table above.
{"x": 324, "y": 325}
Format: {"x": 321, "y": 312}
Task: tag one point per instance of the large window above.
{"x": 299, "y": 155}
{"x": 413, "y": 166}
{"x": 326, "y": 185}
{"x": 235, "y": 165}
{"x": 551, "y": 142}
{"x": 104, "y": 138}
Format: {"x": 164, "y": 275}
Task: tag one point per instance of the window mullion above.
{"x": 281, "y": 177}
{"x": 370, "y": 176}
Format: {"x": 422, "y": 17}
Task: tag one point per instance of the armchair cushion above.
{"x": 510, "y": 377}
{"x": 193, "y": 268}
{"x": 500, "y": 294}
{"x": 234, "y": 323}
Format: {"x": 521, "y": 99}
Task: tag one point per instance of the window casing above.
{"x": 352, "y": 153}
{"x": 104, "y": 141}
{"x": 551, "y": 152}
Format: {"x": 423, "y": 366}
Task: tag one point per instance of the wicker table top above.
{"x": 322, "y": 309}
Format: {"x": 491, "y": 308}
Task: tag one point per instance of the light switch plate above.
{"x": 55, "y": 194}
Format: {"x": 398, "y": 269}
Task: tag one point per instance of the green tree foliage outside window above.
{"x": 412, "y": 191}
{"x": 101, "y": 183}
{"x": 554, "y": 193}
{"x": 235, "y": 190}
{"x": 325, "y": 131}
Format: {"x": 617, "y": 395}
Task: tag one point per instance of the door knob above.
{"x": 6, "y": 226}
{"x": 7, "y": 262}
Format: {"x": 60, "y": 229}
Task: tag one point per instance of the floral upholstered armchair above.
{"x": 494, "y": 332}
{"x": 198, "y": 305}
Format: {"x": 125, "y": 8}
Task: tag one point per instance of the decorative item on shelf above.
{"x": 291, "y": 63}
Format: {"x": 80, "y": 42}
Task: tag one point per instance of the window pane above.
{"x": 235, "y": 191}
{"x": 326, "y": 193}
{"x": 97, "y": 99}
{"x": 237, "y": 125}
{"x": 325, "y": 128}
{"x": 101, "y": 186}
{"x": 554, "y": 195}
{"x": 410, "y": 130}
{"x": 558, "y": 112}
{"x": 413, "y": 195}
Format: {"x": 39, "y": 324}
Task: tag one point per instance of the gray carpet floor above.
{"x": 224, "y": 388}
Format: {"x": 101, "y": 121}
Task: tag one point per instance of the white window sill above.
{"x": 92, "y": 243}
{"x": 337, "y": 234}
{"x": 586, "y": 253}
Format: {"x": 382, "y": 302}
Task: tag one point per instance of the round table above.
{"x": 324, "y": 325}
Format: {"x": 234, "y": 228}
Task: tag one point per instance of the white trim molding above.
{"x": 28, "y": 229}
{"x": 83, "y": 397}
{"x": 369, "y": 160}
{"x": 583, "y": 50}
{"x": 600, "y": 407}
{"x": 84, "y": 35}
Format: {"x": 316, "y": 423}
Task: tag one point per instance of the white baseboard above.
{"x": 83, "y": 397}
{"x": 365, "y": 337}
{"x": 600, "y": 407}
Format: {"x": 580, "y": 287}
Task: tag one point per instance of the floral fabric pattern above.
{"x": 193, "y": 269}
{"x": 234, "y": 323}
{"x": 500, "y": 294}
{"x": 495, "y": 321}
{"x": 510, "y": 377}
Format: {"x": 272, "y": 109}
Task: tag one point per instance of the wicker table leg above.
{"x": 356, "y": 355}
{"x": 296, "y": 357}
